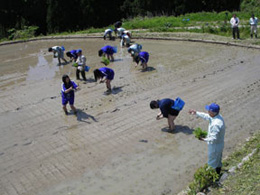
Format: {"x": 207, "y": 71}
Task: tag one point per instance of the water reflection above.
{"x": 43, "y": 70}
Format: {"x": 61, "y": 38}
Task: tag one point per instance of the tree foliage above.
{"x": 52, "y": 16}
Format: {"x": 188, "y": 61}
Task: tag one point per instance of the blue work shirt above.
{"x": 108, "y": 73}
{"x": 108, "y": 49}
{"x": 144, "y": 56}
{"x": 165, "y": 106}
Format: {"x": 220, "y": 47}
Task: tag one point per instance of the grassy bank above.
{"x": 246, "y": 179}
{"x": 203, "y": 22}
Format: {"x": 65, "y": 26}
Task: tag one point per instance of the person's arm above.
{"x": 66, "y": 90}
{"x": 75, "y": 86}
{"x": 203, "y": 115}
{"x": 159, "y": 116}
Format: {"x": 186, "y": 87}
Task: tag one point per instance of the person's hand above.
{"x": 201, "y": 139}
{"x": 191, "y": 111}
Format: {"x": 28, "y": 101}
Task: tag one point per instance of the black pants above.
{"x": 218, "y": 170}
{"x": 82, "y": 74}
{"x": 235, "y": 31}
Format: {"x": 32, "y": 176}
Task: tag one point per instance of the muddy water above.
{"x": 100, "y": 151}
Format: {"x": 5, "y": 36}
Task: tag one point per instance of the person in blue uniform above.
{"x": 166, "y": 111}
{"x": 142, "y": 57}
{"x": 107, "y": 51}
{"x": 67, "y": 93}
{"x": 105, "y": 75}
{"x": 72, "y": 54}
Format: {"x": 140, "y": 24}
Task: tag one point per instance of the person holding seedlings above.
{"x": 215, "y": 136}
{"x": 81, "y": 63}
{"x": 106, "y": 75}
{"x": 107, "y": 51}
{"x": 67, "y": 93}
{"x": 72, "y": 54}
{"x": 234, "y": 21}
{"x": 143, "y": 57}
{"x": 58, "y": 53}
{"x": 166, "y": 111}
{"x": 253, "y": 23}
{"x": 108, "y": 32}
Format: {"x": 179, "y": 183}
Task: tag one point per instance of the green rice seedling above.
{"x": 199, "y": 133}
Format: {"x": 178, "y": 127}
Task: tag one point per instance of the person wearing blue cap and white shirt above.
{"x": 81, "y": 62}
{"x": 216, "y": 133}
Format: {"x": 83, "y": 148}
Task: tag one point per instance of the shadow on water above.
{"x": 83, "y": 116}
{"x": 117, "y": 60}
{"x": 91, "y": 80}
{"x": 178, "y": 129}
{"x": 117, "y": 90}
{"x": 150, "y": 68}
{"x": 63, "y": 63}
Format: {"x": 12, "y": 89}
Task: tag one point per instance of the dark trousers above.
{"x": 82, "y": 74}
{"x": 218, "y": 170}
{"x": 235, "y": 31}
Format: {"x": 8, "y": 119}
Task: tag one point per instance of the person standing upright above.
{"x": 216, "y": 133}
{"x": 253, "y": 25}
{"x": 234, "y": 21}
{"x": 81, "y": 62}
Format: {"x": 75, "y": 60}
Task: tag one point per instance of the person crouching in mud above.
{"x": 143, "y": 57}
{"x": 67, "y": 93}
{"x": 107, "y": 51}
{"x": 167, "y": 111}
{"x": 106, "y": 75}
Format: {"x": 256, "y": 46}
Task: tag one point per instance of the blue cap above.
{"x": 212, "y": 107}
{"x": 79, "y": 50}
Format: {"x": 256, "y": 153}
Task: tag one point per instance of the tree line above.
{"x": 54, "y": 16}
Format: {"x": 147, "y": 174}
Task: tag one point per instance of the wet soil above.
{"x": 115, "y": 145}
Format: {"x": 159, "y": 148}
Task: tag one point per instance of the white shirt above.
{"x": 234, "y": 22}
{"x": 81, "y": 60}
{"x": 216, "y": 128}
{"x": 253, "y": 21}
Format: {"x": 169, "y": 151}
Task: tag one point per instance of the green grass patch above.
{"x": 246, "y": 179}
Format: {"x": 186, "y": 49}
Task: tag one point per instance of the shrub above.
{"x": 25, "y": 33}
{"x": 203, "y": 178}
